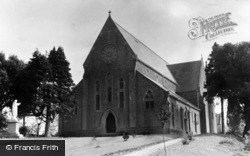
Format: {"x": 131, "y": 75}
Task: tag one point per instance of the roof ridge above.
{"x": 142, "y": 43}
{"x": 184, "y": 62}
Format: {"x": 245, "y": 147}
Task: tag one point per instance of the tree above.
{"x": 234, "y": 114}
{"x": 28, "y": 85}
{"x": 9, "y": 69}
{"x": 228, "y": 75}
{"x": 3, "y": 121}
{"x": 3, "y": 79}
{"x": 164, "y": 116}
{"x": 215, "y": 82}
{"x": 237, "y": 74}
{"x": 61, "y": 86}
{"x": 244, "y": 99}
{"x": 45, "y": 87}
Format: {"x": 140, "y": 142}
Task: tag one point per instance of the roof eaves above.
{"x": 183, "y": 63}
{"x": 138, "y": 59}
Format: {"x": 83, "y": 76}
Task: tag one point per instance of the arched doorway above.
{"x": 110, "y": 123}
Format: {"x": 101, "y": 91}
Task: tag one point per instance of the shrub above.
{"x": 125, "y": 136}
{"x": 190, "y": 135}
{"x": 185, "y": 140}
{"x": 234, "y": 119}
{"x": 227, "y": 141}
{"x": 24, "y": 130}
{"x": 3, "y": 121}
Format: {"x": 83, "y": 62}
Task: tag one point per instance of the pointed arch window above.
{"x": 172, "y": 110}
{"x": 109, "y": 80}
{"x": 97, "y": 95}
{"x": 121, "y": 92}
{"x": 195, "y": 122}
{"x": 189, "y": 121}
{"x": 185, "y": 120}
{"x": 181, "y": 117}
{"x": 149, "y": 100}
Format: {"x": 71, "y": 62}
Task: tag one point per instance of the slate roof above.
{"x": 187, "y": 75}
{"x": 146, "y": 55}
{"x": 172, "y": 93}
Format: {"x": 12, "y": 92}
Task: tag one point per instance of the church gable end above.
{"x": 109, "y": 48}
{"x": 109, "y": 70}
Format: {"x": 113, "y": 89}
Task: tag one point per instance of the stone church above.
{"x": 125, "y": 84}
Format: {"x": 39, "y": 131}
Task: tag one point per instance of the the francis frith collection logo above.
{"x": 211, "y": 28}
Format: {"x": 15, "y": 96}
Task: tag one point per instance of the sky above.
{"x": 162, "y": 25}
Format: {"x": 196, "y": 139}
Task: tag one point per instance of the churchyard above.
{"x": 152, "y": 145}
{"x": 202, "y": 145}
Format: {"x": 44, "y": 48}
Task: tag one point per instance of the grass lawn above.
{"x": 207, "y": 145}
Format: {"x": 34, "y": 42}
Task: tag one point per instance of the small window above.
{"x": 181, "y": 118}
{"x": 109, "y": 94}
{"x": 195, "y": 122}
{"x": 192, "y": 116}
{"x": 173, "y": 124}
{"x": 149, "y": 100}
{"x": 121, "y": 93}
{"x": 109, "y": 80}
{"x": 97, "y": 102}
{"x": 121, "y": 83}
{"x": 97, "y": 95}
{"x": 189, "y": 122}
{"x": 121, "y": 100}
{"x": 185, "y": 120}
